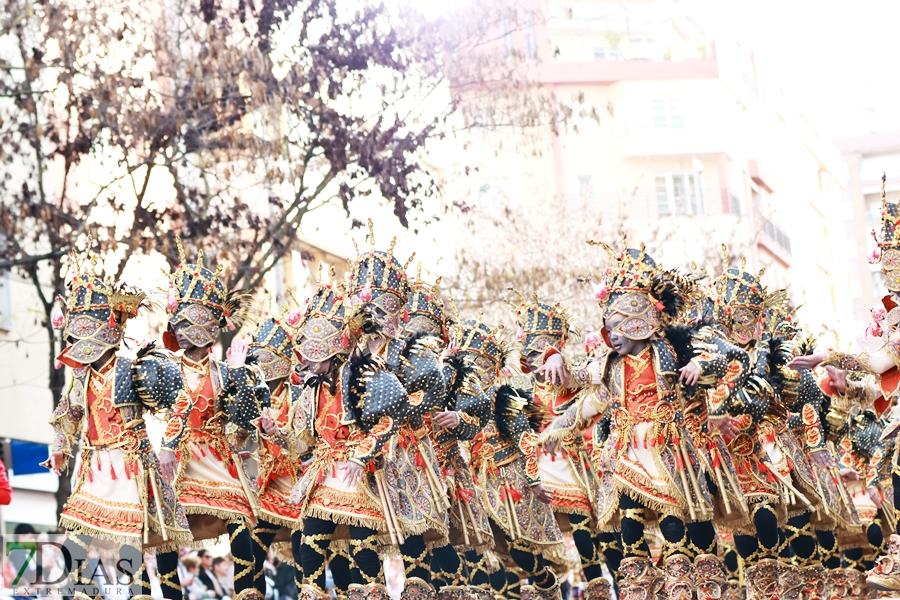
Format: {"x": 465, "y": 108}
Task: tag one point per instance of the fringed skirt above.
{"x": 213, "y": 489}
{"x": 118, "y": 499}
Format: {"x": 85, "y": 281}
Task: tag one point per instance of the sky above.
{"x": 838, "y": 59}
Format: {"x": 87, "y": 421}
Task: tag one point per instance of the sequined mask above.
{"x": 642, "y": 317}
{"x": 195, "y": 324}
{"x": 92, "y": 337}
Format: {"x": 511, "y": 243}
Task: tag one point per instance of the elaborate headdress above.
{"x": 319, "y": 335}
{"x": 888, "y": 252}
{"x": 272, "y": 344}
{"x": 741, "y": 298}
{"x": 639, "y": 289}
{"x": 377, "y": 279}
{"x": 197, "y": 295}
{"x": 95, "y": 315}
{"x": 424, "y": 308}
{"x": 486, "y": 345}
{"x": 541, "y": 325}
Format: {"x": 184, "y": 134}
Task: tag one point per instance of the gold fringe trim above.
{"x": 340, "y": 518}
{"x": 650, "y": 502}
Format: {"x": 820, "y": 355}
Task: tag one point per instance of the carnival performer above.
{"x": 649, "y": 450}
{"x": 212, "y": 419}
{"x": 504, "y": 462}
{"x": 457, "y": 417}
{"x": 565, "y": 468}
{"x": 119, "y": 503}
{"x": 272, "y": 352}
{"x": 329, "y": 506}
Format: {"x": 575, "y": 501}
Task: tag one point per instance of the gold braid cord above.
{"x": 415, "y": 561}
{"x": 246, "y": 564}
{"x": 366, "y": 543}
{"x": 586, "y": 527}
{"x": 635, "y": 514}
{"x": 310, "y": 540}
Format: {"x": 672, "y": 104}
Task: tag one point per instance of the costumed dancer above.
{"x": 212, "y": 419}
{"x": 457, "y": 417}
{"x": 272, "y": 352}
{"x": 120, "y": 503}
{"x": 504, "y": 462}
{"x": 657, "y": 471}
{"x": 379, "y": 290}
{"x": 881, "y": 364}
{"x": 565, "y": 467}
{"x": 330, "y": 506}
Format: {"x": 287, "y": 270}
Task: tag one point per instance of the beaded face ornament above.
{"x": 319, "y": 330}
{"x": 637, "y": 288}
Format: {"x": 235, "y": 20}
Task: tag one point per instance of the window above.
{"x": 667, "y": 113}
{"x": 679, "y": 195}
{"x": 600, "y": 54}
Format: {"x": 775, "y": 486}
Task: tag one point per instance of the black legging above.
{"x": 241, "y": 554}
{"x": 339, "y": 565}
{"x": 167, "y": 571}
{"x": 828, "y": 548}
{"x": 765, "y": 543}
{"x": 800, "y": 536}
{"x": 446, "y": 568}
{"x": 631, "y": 513}
{"x": 262, "y": 535}
{"x": 415, "y": 558}
{"x": 533, "y": 564}
{"x": 477, "y": 569}
{"x": 317, "y": 534}
{"x": 587, "y": 544}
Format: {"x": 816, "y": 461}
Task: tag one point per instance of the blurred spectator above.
{"x": 283, "y": 580}
{"x": 394, "y": 577}
{"x": 221, "y": 574}
{"x": 190, "y": 582}
{"x": 5, "y": 489}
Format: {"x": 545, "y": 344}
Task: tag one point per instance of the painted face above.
{"x": 620, "y": 342}
{"x": 534, "y": 360}
{"x": 319, "y": 368}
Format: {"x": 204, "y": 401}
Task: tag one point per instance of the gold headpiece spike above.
{"x": 743, "y": 268}
{"x": 319, "y": 280}
{"x": 181, "y": 255}
{"x": 883, "y": 194}
{"x": 534, "y": 298}
{"x": 355, "y": 247}
{"x": 436, "y": 283}
{"x": 332, "y": 275}
{"x": 200, "y": 258}
{"x": 390, "y": 252}
{"x": 453, "y": 308}
{"x": 371, "y": 235}
{"x": 516, "y": 292}
{"x": 408, "y": 260}
{"x": 724, "y": 258}
{"x": 419, "y": 273}
{"x": 291, "y": 295}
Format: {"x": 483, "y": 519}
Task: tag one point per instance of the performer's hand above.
{"x": 554, "y": 370}
{"x": 838, "y": 379}
{"x": 875, "y": 495}
{"x": 448, "y": 419}
{"x": 168, "y": 465}
{"x": 849, "y": 474}
{"x": 802, "y": 363}
{"x": 690, "y": 374}
{"x": 727, "y": 426}
{"x": 541, "y": 493}
{"x": 57, "y": 462}
{"x": 237, "y": 354}
{"x": 822, "y": 458}
{"x": 267, "y": 423}
{"x": 352, "y": 473}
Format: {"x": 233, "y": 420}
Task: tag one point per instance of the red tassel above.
{"x": 112, "y": 471}
{"x": 112, "y": 319}
{"x": 345, "y": 340}
{"x": 90, "y": 474}
{"x": 516, "y": 496}
{"x": 716, "y": 461}
{"x": 420, "y": 462}
{"x": 678, "y": 462}
{"x": 232, "y": 469}
{"x": 99, "y": 464}
{"x": 503, "y": 495}
{"x": 405, "y": 315}
{"x": 552, "y": 458}
{"x": 194, "y": 452}
{"x": 320, "y": 477}
{"x": 333, "y": 471}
